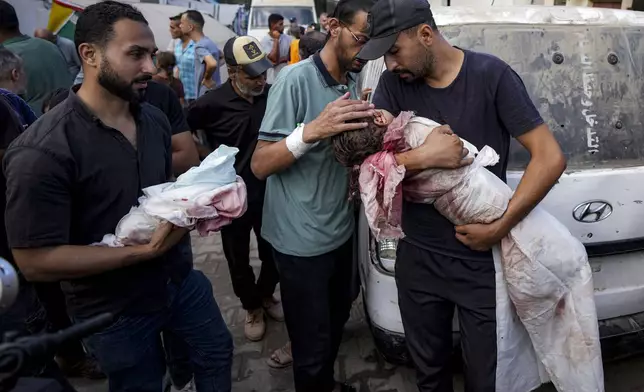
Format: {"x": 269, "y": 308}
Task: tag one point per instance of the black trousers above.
{"x": 235, "y": 240}
{"x": 430, "y": 286}
{"x": 53, "y": 300}
{"x": 317, "y": 297}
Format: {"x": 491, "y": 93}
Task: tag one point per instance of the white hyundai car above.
{"x": 584, "y": 69}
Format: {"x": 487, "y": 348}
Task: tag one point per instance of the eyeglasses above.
{"x": 359, "y": 40}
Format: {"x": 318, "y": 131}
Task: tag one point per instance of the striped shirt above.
{"x": 186, "y": 59}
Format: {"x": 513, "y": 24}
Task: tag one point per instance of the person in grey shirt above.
{"x": 277, "y": 45}
{"x": 67, "y": 48}
{"x": 206, "y": 52}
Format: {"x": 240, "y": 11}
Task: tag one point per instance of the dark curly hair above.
{"x": 353, "y": 147}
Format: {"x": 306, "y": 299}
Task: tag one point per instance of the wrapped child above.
{"x": 544, "y": 269}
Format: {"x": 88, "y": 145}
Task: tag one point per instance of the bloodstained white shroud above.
{"x": 546, "y": 315}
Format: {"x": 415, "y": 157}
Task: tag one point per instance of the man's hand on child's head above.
{"x": 336, "y": 118}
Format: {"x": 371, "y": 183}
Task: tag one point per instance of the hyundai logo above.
{"x": 592, "y": 211}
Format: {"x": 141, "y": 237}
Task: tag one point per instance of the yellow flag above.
{"x": 60, "y": 13}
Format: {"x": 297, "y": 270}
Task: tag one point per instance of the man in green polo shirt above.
{"x": 44, "y": 63}
{"x": 307, "y": 217}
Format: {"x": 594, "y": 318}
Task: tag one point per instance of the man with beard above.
{"x": 276, "y": 45}
{"x": 439, "y": 266}
{"x": 231, "y": 115}
{"x": 73, "y": 176}
{"x": 307, "y": 217}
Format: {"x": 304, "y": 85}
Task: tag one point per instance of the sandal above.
{"x": 281, "y": 358}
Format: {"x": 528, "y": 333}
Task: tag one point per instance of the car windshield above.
{"x": 259, "y": 18}
{"x": 583, "y": 79}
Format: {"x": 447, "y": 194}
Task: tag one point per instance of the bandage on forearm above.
{"x": 296, "y": 144}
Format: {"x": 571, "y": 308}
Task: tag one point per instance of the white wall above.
{"x": 32, "y": 14}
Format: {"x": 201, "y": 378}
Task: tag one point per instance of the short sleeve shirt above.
{"x": 206, "y": 47}
{"x": 70, "y": 179}
{"x": 306, "y": 208}
{"x": 486, "y": 105}
{"x": 186, "y": 63}
{"x": 284, "y": 51}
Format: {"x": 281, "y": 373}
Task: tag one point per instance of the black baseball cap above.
{"x": 387, "y": 19}
{"x": 246, "y": 51}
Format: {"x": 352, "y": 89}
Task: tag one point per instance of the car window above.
{"x": 259, "y": 17}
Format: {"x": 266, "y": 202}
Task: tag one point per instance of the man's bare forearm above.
{"x": 546, "y": 166}
{"x": 184, "y": 153}
{"x": 535, "y": 184}
{"x": 270, "y": 158}
{"x": 210, "y": 70}
{"x": 412, "y": 161}
{"x": 184, "y": 160}
{"x": 274, "y": 55}
{"x": 72, "y": 262}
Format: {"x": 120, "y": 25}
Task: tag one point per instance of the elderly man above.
{"x": 13, "y": 82}
{"x": 232, "y": 115}
{"x": 441, "y": 267}
{"x": 67, "y": 48}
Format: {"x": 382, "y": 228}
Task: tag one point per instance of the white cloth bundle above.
{"x": 543, "y": 274}
{"x": 207, "y": 197}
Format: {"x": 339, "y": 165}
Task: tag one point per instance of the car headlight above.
{"x": 384, "y": 254}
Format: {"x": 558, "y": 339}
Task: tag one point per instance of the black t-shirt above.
{"x": 11, "y": 128}
{"x": 229, "y": 119}
{"x": 70, "y": 179}
{"x": 486, "y": 104}
{"x": 163, "y": 97}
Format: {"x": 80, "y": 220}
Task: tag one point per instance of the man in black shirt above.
{"x": 73, "y": 176}
{"x": 184, "y": 150}
{"x": 184, "y": 156}
{"x": 439, "y": 266}
{"x": 232, "y": 115}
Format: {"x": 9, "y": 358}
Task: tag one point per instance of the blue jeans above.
{"x": 130, "y": 350}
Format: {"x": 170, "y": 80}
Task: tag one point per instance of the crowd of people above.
{"x": 106, "y": 115}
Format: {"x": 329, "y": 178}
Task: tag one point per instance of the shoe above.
{"x": 255, "y": 327}
{"x": 86, "y": 368}
{"x": 273, "y": 308}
